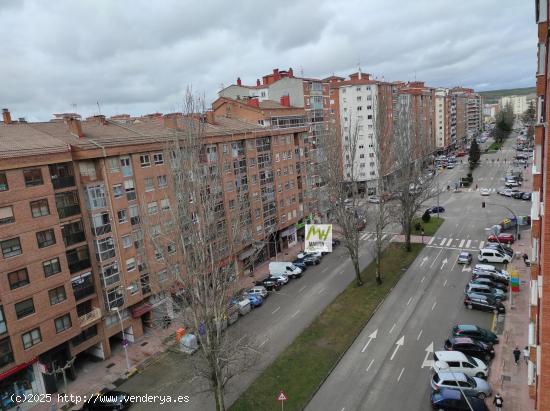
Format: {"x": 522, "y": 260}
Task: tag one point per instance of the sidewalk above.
{"x": 506, "y": 377}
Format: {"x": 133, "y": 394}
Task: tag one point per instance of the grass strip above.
{"x": 303, "y": 366}
{"x": 430, "y": 227}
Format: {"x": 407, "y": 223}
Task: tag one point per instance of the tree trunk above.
{"x": 378, "y": 267}
{"x": 218, "y": 392}
{"x": 408, "y": 238}
{"x": 358, "y": 279}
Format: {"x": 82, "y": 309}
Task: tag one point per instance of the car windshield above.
{"x": 470, "y": 380}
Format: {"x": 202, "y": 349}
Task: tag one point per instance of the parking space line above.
{"x": 449, "y": 242}
{"x": 275, "y": 310}
{"x": 461, "y": 243}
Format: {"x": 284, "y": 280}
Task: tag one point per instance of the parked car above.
{"x": 282, "y": 279}
{"x": 485, "y": 192}
{"x": 489, "y": 255}
{"x": 490, "y": 282}
{"x": 504, "y": 238}
{"x": 303, "y": 254}
{"x": 310, "y": 260}
{"x": 505, "y": 249}
{"x": 259, "y": 290}
{"x": 507, "y": 192}
{"x": 518, "y": 195}
{"x": 464, "y": 258}
{"x": 110, "y": 400}
{"x": 287, "y": 268}
{"x": 374, "y": 199}
{"x": 269, "y": 284}
{"x": 450, "y": 166}
{"x": 511, "y": 184}
{"x": 471, "y": 347}
{"x": 299, "y": 262}
{"x": 492, "y": 277}
{"x": 456, "y": 361}
{"x": 474, "y": 332}
{"x": 435, "y": 210}
{"x": 484, "y": 289}
{"x": 255, "y": 299}
{"x": 447, "y": 399}
{"x": 474, "y": 386}
{"x": 483, "y": 303}
{"x": 526, "y": 196}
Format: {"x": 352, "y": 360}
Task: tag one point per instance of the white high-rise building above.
{"x": 519, "y": 103}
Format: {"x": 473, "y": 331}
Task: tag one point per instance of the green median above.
{"x": 430, "y": 227}
{"x": 304, "y": 365}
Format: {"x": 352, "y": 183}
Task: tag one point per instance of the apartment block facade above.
{"x": 538, "y": 377}
{"x": 74, "y": 199}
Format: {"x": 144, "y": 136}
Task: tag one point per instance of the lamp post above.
{"x": 518, "y": 236}
{"x": 445, "y": 366}
{"x": 124, "y": 340}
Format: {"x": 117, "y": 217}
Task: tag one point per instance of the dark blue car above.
{"x": 255, "y": 300}
{"x": 435, "y": 210}
{"x": 447, "y": 399}
{"x": 300, "y": 263}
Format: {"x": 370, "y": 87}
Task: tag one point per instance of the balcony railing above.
{"x": 74, "y": 238}
{"x": 90, "y": 317}
{"x": 104, "y": 229}
{"x": 83, "y": 291}
{"x": 62, "y": 182}
{"x": 68, "y": 211}
{"x": 106, "y": 254}
{"x": 79, "y": 265}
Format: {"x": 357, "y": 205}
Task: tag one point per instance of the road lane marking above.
{"x": 468, "y": 243}
{"x": 423, "y": 278}
{"x": 428, "y": 363}
{"x": 433, "y": 306}
{"x": 400, "y": 374}
{"x": 295, "y": 314}
{"x": 443, "y": 242}
{"x": 364, "y": 235}
{"x": 436, "y": 257}
{"x": 449, "y": 242}
{"x": 392, "y": 328}
{"x": 418, "y": 338}
{"x": 370, "y": 364}
{"x": 324, "y": 269}
{"x": 410, "y": 299}
{"x": 398, "y": 344}
{"x": 275, "y": 310}
{"x": 371, "y": 337}
{"x": 263, "y": 343}
{"x": 320, "y": 291}
{"x": 431, "y": 241}
{"x": 481, "y": 244}
{"x": 445, "y": 283}
{"x": 302, "y": 289}
{"x": 461, "y": 243}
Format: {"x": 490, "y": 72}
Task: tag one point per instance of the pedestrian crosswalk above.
{"x": 457, "y": 243}
{"x": 371, "y": 236}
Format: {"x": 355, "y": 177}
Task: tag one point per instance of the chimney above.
{"x": 171, "y": 121}
{"x": 285, "y": 100}
{"x": 75, "y": 126}
{"x": 100, "y": 118}
{"x": 290, "y": 72}
{"x": 239, "y": 81}
{"x": 6, "y": 116}
{"x": 276, "y": 75}
{"x": 253, "y": 102}
{"x": 210, "y": 117}
{"x": 258, "y": 82}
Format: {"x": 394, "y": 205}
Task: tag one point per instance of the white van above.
{"x": 489, "y": 255}
{"x": 276, "y": 268}
{"x": 455, "y": 361}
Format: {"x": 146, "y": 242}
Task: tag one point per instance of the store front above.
{"x": 25, "y": 379}
{"x": 289, "y": 237}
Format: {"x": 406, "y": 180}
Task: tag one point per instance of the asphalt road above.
{"x": 388, "y": 367}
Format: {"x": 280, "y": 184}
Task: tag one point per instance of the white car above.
{"x": 303, "y": 255}
{"x": 485, "y": 192}
{"x": 374, "y": 199}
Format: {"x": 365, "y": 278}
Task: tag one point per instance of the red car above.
{"x": 502, "y": 238}
{"x": 460, "y": 154}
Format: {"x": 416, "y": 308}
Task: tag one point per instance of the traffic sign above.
{"x": 282, "y": 396}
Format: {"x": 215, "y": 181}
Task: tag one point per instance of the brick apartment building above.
{"x": 72, "y": 242}
{"x": 308, "y": 93}
{"x": 539, "y": 316}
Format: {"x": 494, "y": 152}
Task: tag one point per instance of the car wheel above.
{"x": 484, "y": 261}
{"x": 481, "y": 375}
{"x": 481, "y": 396}
{"x": 470, "y": 306}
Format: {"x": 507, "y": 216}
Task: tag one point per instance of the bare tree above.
{"x": 410, "y": 179}
{"x": 338, "y": 169}
{"x": 208, "y": 225}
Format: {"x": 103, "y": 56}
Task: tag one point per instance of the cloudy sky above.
{"x": 139, "y": 56}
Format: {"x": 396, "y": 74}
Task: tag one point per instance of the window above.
{"x": 165, "y": 204}
{"x": 40, "y": 208}
{"x": 134, "y": 214}
{"x": 144, "y": 160}
{"x": 359, "y": 108}
{"x": 6, "y": 353}
{"x": 148, "y": 182}
{"x": 126, "y": 241}
{"x": 3, "y": 182}
{"x": 6, "y": 215}
{"x": 33, "y": 177}
{"x": 163, "y": 276}
{"x": 18, "y": 278}
{"x": 158, "y": 159}
{"x": 358, "y": 98}
{"x": 63, "y": 323}
{"x": 45, "y": 238}
{"x": 95, "y": 197}
{"x": 171, "y": 248}
{"x": 57, "y": 295}
{"x": 162, "y": 181}
{"x": 24, "y": 308}
{"x": 155, "y": 230}
{"x": 11, "y": 248}
{"x": 114, "y": 164}
{"x": 31, "y": 338}
{"x": 122, "y": 216}
{"x": 158, "y": 255}
{"x": 51, "y": 267}
{"x": 130, "y": 189}
{"x": 152, "y": 208}
{"x": 130, "y": 264}
{"x": 117, "y": 191}
{"x": 126, "y": 166}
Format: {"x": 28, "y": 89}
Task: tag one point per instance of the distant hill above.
{"x": 494, "y": 95}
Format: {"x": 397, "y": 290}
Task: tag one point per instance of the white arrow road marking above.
{"x": 398, "y": 344}
{"x": 419, "y": 334}
{"x": 436, "y": 257}
{"x": 263, "y": 343}
{"x": 429, "y": 349}
{"x": 431, "y": 241}
{"x": 466, "y": 269}
{"x": 400, "y": 374}
{"x": 442, "y": 242}
{"x": 275, "y": 310}
{"x": 423, "y": 261}
{"x": 370, "y": 364}
{"x": 371, "y": 337}
{"x": 468, "y": 243}
{"x": 393, "y": 326}
{"x": 449, "y": 242}
{"x": 461, "y": 243}
{"x": 443, "y": 263}
{"x": 295, "y": 314}
{"x": 433, "y": 306}
{"x": 481, "y": 244}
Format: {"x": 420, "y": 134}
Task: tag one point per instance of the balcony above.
{"x": 83, "y": 290}
{"x": 90, "y": 317}
{"x": 68, "y": 211}
{"x": 104, "y": 229}
{"x": 62, "y": 182}
{"x": 79, "y": 265}
{"x": 74, "y": 238}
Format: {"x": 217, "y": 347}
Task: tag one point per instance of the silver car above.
{"x": 474, "y": 386}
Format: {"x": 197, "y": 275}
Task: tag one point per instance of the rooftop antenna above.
{"x": 301, "y": 71}
{"x": 74, "y": 107}
{"x": 98, "y": 107}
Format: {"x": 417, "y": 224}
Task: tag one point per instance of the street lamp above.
{"x": 518, "y": 235}
{"x": 443, "y": 365}
{"x": 124, "y": 340}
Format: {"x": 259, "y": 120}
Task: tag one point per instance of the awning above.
{"x": 140, "y": 310}
{"x": 17, "y": 368}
